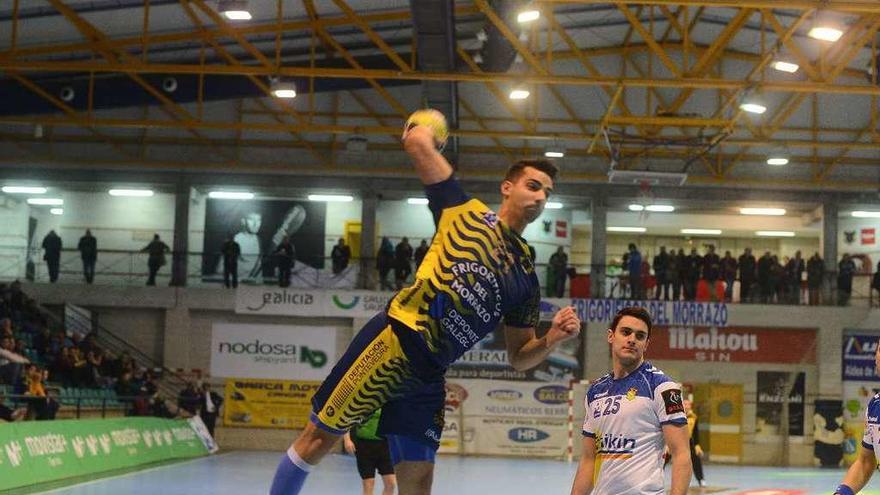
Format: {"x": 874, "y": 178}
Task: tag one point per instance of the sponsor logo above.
{"x": 527, "y": 435}
{"x": 345, "y": 305}
{"x": 631, "y": 393}
{"x": 551, "y": 394}
{"x": 616, "y": 446}
{"x": 455, "y": 395}
{"x": 490, "y": 218}
{"x": 284, "y": 297}
{"x": 260, "y": 350}
{"x": 433, "y": 435}
{"x": 672, "y": 401}
{"x": 711, "y": 340}
{"x": 860, "y": 349}
{"x": 504, "y": 395}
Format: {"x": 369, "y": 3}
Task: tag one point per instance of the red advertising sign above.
{"x": 868, "y": 236}
{"x": 733, "y": 344}
{"x": 561, "y": 228}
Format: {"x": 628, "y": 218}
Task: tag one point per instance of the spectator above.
{"x": 673, "y": 272}
{"x": 156, "y": 250}
{"x": 875, "y": 286}
{"x": 340, "y": 255}
{"x": 420, "y": 253}
{"x": 692, "y": 278}
{"x": 661, "y": 272}
{"x": 402, "y": 262}
{"x": 815, "y": 274}
{"x": 747, "y": 267}
{"x": 728, "y": 271}
{"x": 711, "y": 269}
{"x": 209, "y": 407}
{"x": 80, "y": 374}
{"x": 231, "y": 252}
{"x": 634, "y": 267}
{"x": 778, "y": 282}
{"x": 557, "y": 269}
{"x": 795, "y": 273}
{"x": 384, "y": 263}
{"x": 764, "y": 283}
{"x": 88, "y": 251}
{"x": 52, "y": 246}
{"x": 845, "y": 271}
{"x": 8, "y": 414}
{"x": 189, "y": 399}
{"x": 11, "y": 363}
{"x": 285, "y": 253}
{"x": 683, "y": 262}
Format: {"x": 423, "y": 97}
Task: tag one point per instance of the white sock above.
{"x": 297, "y": 460}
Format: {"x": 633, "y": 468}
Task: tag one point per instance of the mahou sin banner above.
{"x": 733, "y": 344}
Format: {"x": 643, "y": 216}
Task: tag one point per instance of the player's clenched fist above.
{"x": 566, "y": 325}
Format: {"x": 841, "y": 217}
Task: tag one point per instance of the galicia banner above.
{"x": 858, "y": 357}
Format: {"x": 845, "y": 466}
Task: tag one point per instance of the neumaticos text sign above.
{"x": 272, "y": 351}
{"x": 733, "y": 344}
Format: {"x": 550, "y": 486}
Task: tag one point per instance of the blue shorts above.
{"x": 384, "y": 367}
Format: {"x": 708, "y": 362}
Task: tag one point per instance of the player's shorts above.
{"x": 385, "y": 367}
{"x": 372, "y": 456}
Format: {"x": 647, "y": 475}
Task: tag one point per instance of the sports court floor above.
{"x": 241, "y": 473}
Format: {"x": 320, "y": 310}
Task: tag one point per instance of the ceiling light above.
{"x": 57, "y": 211}
{"x": 519, "y": 93}
{"x": 762, "y": 211}
{"x": 553, "y": 205}
{"x": 45, "y": 201}
{"x": 335, "y": 198}
{"x": 774, "y": 233}
{"x": 230, "y": 195}
{"x": 132, "y": 193}
{"x": 234, "y": 10}
{"x": 825, "y": 33}
{"x": 660, "y": 208}
{"x": 636, "y": 207}
{"x": 626, "y": 229}
{"x": 777, "y": 161}
{"x": 417, "y": 201}
{"x": 528, "y": 15}
{"x": 866, "y": 214}
{"x": 783, "y": 66}
{"x": 753, "y": 106}
{"x": 282, "y": 89}
{"x": 24, "y": 190}
{"x": 554, "y": 151}
{"x": 701, "y": 231}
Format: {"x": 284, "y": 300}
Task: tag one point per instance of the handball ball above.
{"x": 433, "y": 120}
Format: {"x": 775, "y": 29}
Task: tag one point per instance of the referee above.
{"x": 371, "y": 452}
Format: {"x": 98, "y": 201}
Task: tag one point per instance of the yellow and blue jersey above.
{"x": 476, "y": 274}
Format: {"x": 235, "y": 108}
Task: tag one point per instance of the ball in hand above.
{"x": 433, "y": 120}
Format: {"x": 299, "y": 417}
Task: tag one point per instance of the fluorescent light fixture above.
{"x": 825, "y": 33}
{"x": 231, "y": 195}
{"x": 45, "y": 201}
{"x": 417, "y": 201}
{"x": 554, "y": 154}
{"x": 519, "y": 93}
{"x": 131, "y": 193}
{"x": 528, "y": 15}
{"x": 635, "y": 207}
{"x": 626, "y": 229}
{"x": 777, "y": 161}
{"x": 234, "y": 10}
{"x": 701, "y": 231}
{"x": 553, "y": 205}
{"x": 330, "y": 198}
{"x": 774, "y": 233}
{"x": 783, "y": 66}
{"x": 57, "y": 211}
{"x": 281, "y": 89}
{"x": 753, "y": 107}
{"x": 866, "y": 214}
{"x": 776, "y": 212}
{"x": 24, "y": 190}
{"x": 660, "y": 208}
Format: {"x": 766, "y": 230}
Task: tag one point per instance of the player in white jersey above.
{"x": 861, "y": 470}
{"x": 631, "y": 413}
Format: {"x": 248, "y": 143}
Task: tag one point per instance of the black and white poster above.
{"x": 259, "y": 226}
{"x": 772, "y": 388}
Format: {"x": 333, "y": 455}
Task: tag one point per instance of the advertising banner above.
{"x": 272, "y": 351}
{"x": 858, "y": 357}
{"x": 268, "y": 300}
{"x": 523, "y": 437}
{"x": 42, "y": 451}
{"x": 514, "y": 398}
{"x": 268, "y": 403}
{"x": 772, "y": 387}
{"x": 734, "y": 344}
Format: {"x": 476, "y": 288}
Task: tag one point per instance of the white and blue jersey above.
{"x": 871, "y": 438}
{"x": 625, "y": 417}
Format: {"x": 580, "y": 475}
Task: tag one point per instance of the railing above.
{"x": 78, "y": 405}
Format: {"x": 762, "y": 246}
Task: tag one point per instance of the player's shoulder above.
{"x": 655, "y": 376}
{"x": 874, "y": 405}
{"x": 599, "y": 388}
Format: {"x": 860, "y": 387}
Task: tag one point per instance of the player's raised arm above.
{"x": 423, "y": 137}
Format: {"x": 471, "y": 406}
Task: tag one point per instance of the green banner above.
{"x": 41, "y": 451}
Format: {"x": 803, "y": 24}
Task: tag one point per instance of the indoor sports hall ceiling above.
{"x": 652, "y": 85}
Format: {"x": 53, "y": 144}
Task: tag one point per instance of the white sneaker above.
{"x": 702, "y": 482}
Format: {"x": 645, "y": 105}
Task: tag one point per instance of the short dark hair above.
{"x": 636, "y": 312}
{"x": 516, "y": 170}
